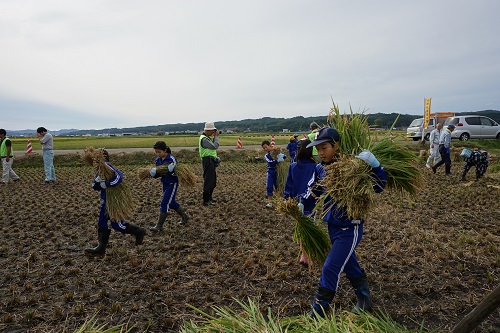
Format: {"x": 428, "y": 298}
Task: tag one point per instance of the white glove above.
{"x": 152, "y": 172}
{"x": 171, "y": 167}
{"x": 369, "y": 158}
{"x": 301, "y": 207}
{"x": 98, "y": 179}
{"x": 281, "y": 157}
{"x": 103, "y": 185}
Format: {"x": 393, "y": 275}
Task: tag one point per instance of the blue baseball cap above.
{"x": 326, "y": 134}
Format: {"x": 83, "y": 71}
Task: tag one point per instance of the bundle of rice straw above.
{"x": 185, "y": 175}
{"x": 315, "y": 241}
{"x": 119, "y": 201}
{"x": 349, "y": 180}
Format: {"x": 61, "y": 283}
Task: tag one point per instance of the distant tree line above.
{"x": 268, "y": 124}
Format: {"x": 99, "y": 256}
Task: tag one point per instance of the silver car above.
{"x": 473, "y": 127}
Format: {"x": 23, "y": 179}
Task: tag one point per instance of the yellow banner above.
{"x": 427, "y": 112}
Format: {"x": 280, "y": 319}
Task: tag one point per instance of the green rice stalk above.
{"x": 353, "y": 130}
{"x": 315, "y": 241}
{"x": 251, "y": 317}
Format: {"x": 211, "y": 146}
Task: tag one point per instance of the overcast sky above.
{"x": 96, "y": 64}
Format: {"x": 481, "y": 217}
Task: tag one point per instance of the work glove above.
{"x": 171, "y": 167}
{"x": 369, "y": 158}
{"x": 103, "y": 185}
{"x": 152, "y": 172}
{"x": 447, "y": 149}
{"x": 98, "y": 179}
{"x": 281, "y": 157}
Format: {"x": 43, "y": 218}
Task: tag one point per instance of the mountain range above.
{"x": 266, "y": 124}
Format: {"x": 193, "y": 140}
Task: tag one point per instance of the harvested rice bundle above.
{"x": 143, "y": 173}
{"x": 401, "y": 165}
{"x": 315, "y": 240}
{"x": 349, "y": 182}
{"x": 119, "y": 202}
{"x": 185, "y": 175}
{"x": 282, "y": 170}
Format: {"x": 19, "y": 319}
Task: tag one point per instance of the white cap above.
{"x": 209, "y": 127}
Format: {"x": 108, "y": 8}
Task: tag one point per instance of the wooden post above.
{"x": 479, "y": 313}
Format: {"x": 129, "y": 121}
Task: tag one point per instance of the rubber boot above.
{"x": 364, "y": 302}
{"x": 103, "y": 237}
{"x": 321, "y": 302}
{"x": 447, "y": 169}
{"x": 138, "y": 232}
{"x": 183, "y": 215}
{"x": 159, "y": 224}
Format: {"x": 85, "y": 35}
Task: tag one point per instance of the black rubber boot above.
{"x": 138, "y": 232}
{"x": 364, "y": 302}
{"x": 159, "y": 224}
{"x": 447, "y": 169}
{"x": 321, "y": 302}
{"x": 103, "y": 237}
{"x": 183, "y": 215}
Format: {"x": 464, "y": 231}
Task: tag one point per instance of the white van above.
{"x": 416, "y": 127}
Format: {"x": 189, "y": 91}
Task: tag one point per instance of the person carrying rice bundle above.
{"x": 345, "y": 232}
{"x": 107, "y": 178}
{"x": 272, "y": 173}
{"x": 170, "y": 184}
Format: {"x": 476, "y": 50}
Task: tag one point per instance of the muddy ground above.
{"x": 430, "y": 259}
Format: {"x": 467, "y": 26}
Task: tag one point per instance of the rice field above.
{"x": 430, "y": 258}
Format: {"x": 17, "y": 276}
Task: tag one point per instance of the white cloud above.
{"x": 131, "y": 63}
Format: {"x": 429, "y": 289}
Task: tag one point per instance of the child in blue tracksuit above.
{"x": 293, "y": 147}
{"x": 301, "y": 177}
{"x": 102, "y": 224}
{"x": 345, "y": 233}
{"x": 170, "y": 184}
{"x": 272, "y": 174}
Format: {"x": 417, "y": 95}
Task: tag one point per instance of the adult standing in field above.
{"x": 434, "y": 146}
{"x": 7, "y": 156}
{"x": 444, "y": 150}
{"x": 47, "y": 142}
{"x": 208, "y": 144}
{"x": 314, "y": 127}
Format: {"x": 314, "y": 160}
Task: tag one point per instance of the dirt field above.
{"x": 429, "y": 259}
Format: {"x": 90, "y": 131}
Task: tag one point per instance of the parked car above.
{"x": 414, "y": 131}
{"x": 473, "y": 127}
